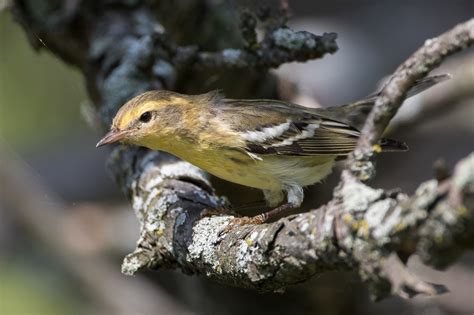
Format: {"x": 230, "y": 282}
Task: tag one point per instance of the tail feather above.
{"x": 426, "y": 83}
{"x": 420, "y": 85}
{"x": 356, "y": 113}
{"x": 390, "y": 145}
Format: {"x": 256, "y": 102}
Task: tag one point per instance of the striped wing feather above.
{"x": 308, "y": 139}
{"x": 275, "y": 127}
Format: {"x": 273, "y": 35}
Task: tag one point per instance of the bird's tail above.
{"x": 390, "y": 145}
{"x": 422, "y": 84}
{"x": 356, "y": 113}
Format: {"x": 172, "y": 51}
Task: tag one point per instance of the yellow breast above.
{"x": 270, "y": 172}
{"x": 232, "y": 165}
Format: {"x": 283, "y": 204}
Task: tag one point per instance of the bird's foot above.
{"x": 241, "y": 221}
{"x": 260, "y": 218}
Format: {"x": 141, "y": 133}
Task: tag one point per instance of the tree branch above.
{"x": 124, "y": 52}
{"x": 360, "y": 229}
{"x": 425, "y": 59}
{"x": 431, "y": 105}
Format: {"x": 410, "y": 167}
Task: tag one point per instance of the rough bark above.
{"x": 362, "y": 228}
{"x": 123, "y": 49}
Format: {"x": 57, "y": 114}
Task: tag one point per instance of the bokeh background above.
{"x": 64, "y": 226}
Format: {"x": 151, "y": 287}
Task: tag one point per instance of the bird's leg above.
{"x": 295, "y": 198}
{"x": 260, "y": 218}
{"x": 271, "y": 214}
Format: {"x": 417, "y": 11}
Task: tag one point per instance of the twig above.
{"x": 404, "y": 283}
{"x": 283, "y": 46}
{"x": 432, "y": 104}
{"x": 428, "y": 57}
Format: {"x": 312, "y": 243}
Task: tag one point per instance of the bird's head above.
{"x": 148, "y": 118}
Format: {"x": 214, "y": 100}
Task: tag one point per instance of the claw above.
{"x": 241, "y": 221}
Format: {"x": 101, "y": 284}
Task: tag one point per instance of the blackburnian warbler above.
{"x": 272, "y": 145}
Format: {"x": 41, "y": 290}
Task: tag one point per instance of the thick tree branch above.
{"x": 284, "y": 45}
{"x": 123, "y": 50}
{"x": 357, "y": 230}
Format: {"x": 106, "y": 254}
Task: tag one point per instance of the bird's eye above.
{"x": 145, "y": 117}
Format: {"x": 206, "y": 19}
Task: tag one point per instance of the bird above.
{"x": 275, "y": 146}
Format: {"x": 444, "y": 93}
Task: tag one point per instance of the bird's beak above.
{"x": 112, "y": 136}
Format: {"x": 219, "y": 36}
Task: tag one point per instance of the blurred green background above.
{"x": 40, "y": 95}
{"x": 40, "y": 101}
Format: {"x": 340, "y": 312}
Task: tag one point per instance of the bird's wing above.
{"x": 275, "y": 127}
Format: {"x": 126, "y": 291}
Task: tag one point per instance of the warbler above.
{"x": 272, "y": 145}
